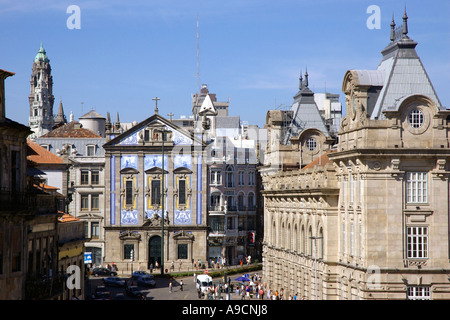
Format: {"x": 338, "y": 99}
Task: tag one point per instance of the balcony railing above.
{"x": 11, "y": 200}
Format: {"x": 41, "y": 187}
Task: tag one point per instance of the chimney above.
{"x": 3, "y": 75}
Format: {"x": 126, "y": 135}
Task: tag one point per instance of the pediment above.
{"x": 156, "y": 170}
{"x": 146, "y": 132}
{"x": 182, "y": 170}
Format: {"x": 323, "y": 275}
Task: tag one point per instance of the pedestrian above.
{"x": 170, "y": 286}
{"x": 151, "y": 267}
{"x": 181, "y": 285}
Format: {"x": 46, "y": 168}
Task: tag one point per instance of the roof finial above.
{"x": 405, "y": 24}
{"x": 301, "y": 80}
{"x": 392, "y": 28}
{"x": 156, "y": 104}
{"x": 306, "y": 77}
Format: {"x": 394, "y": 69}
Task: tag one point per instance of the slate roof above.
{"x": 399, "y": 75}
{"x": 306, "y": 113}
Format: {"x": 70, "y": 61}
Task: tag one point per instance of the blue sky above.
{"x": 251, "y": 52}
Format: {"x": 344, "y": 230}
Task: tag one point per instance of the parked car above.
{"x": 103, "y": 272}
{"x": 101, "y": 293}
{"x": 134, "y": 291}
{"x": 119, "y": 296}
{"x": 137, "y": 274}
{"x": 114, "y": 281}
{"x": 147, "y": 281}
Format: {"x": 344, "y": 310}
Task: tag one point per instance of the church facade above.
{"x": 155, "y": 196}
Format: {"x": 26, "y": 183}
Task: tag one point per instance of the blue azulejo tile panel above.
{"x": 155, "y": 160}
{"x": 182, "y": 217}
{"x": 182, "y": 161}
{"x": 129, "y": 217}
{"x": 129, "y": 161}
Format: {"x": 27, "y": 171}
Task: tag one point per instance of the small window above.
{"x": 84, "y": 177}
{"x": 127, "y": 250}
{"x": 416, "y": 187}
{"x": 129, "y": 192}
{"x": 156, "y": 191}
{"x": 90, "y": 151}
{"x": 182, "y": 251}
{"x": 416, "y": 118}
{"x": 181, "y": 192}
{"x": 146, "y": 135}
{"x": 418, "y": 293}
{"x": 311, "y": 144}
{"x": 95, "y": 202}
{"x": 84, "y": 202}
{"x": 95, "y": 177}
{"x": 417, "y": 242}
{"x": 95, "y": 230}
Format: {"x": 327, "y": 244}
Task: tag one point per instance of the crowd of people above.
{"x": 256, "y": 288}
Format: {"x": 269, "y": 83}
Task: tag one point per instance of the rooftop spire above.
{"x": 301, "y": 80}
{"x": 392, "y": 38}
{"x": 60, "y": 117}
{"x": 306, "y": 77}
{"x": 405, "y": 24}
{"x": 41, "y": 55}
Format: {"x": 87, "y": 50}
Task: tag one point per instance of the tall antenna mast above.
{"x": 198, "y": 72}
{"x": 198, "y": 59}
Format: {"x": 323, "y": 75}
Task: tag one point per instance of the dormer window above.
{"x": 90, "y": 150}
{"x": 311, "y": 144}
{"x": 416, "y": 118}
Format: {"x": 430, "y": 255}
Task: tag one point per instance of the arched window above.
{"x": 241, "y": 204}
{"x": 251, "y": 201}
{"x": 229, "y": 178}
{"x": 303, "y": 240}
{"x": 311, "y": 249}
{"x": 320, "y": 244}
{"x": 289, "y": 238}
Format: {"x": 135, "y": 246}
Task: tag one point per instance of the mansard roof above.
{"x": 306, "y": 114}
{"x": 399, "y": 74}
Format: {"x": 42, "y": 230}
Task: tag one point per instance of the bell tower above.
{"x": 41, "y": 96}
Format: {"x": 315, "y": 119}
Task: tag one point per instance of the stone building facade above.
{"x": 369, "y": 219}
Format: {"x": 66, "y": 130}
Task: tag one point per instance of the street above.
{"x": 159, "y": 292}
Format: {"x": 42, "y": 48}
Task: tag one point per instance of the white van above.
{"x": 203, "y": 283}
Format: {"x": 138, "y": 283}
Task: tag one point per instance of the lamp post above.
{"x": 315, "y": 263}
{"x": 164, "y": 133}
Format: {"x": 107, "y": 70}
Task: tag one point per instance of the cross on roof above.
{"x": 170, "y": 114}
{"x": 156, "y": 104}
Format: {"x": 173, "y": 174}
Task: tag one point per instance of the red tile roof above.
{"x": 321, "y": 161}
{"x": 72, "y": 129}
{"x": 40, "y": 155}
{"x": 67, "y": 217}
